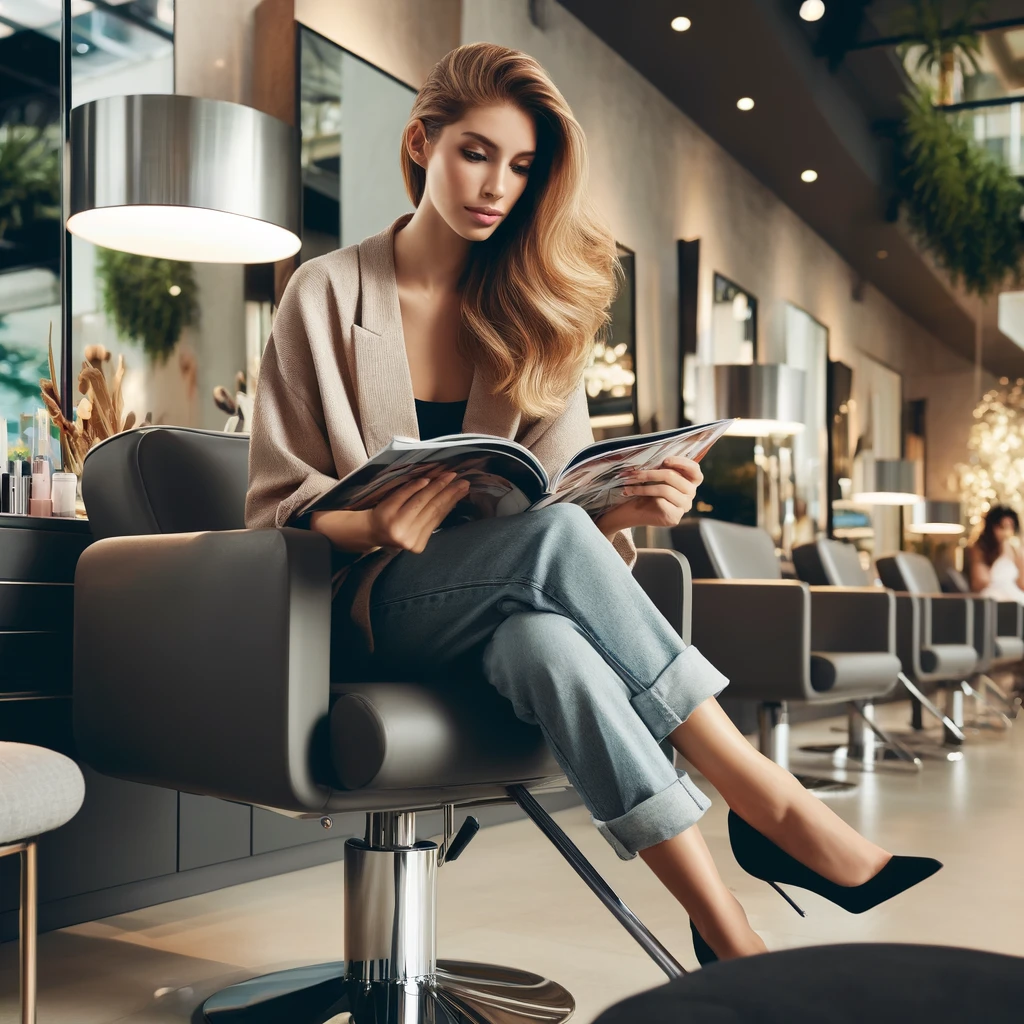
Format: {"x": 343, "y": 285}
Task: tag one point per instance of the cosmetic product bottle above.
{"x": 22, "y": 486}
{"x": 62, "y": 494}
{"x": 5, "y": 492}
{"x": 39, "y": 503}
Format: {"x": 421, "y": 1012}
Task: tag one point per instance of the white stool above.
{"x": 40, "y": 790}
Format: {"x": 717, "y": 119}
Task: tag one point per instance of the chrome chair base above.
{"x": 868, "y": 747}
{"x": 458, "y": 993}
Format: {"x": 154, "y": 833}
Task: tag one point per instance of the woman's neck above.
{"x": 429, "y": 256}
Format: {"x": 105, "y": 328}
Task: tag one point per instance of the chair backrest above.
{"x": 830, "y": 563}
{"x": 726, "y": 551}
{"x": 908, "y": 572}
{"x": 166, "y": 480}
{"x": 954, "y": 582}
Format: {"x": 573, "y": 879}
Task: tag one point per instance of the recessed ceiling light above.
{"x": 745, "y": 103}
{"x": 812, "y": 10}
{"x": 681, "y": 24}
{"x": 809, "y": 176}
{"x": 882, "y": 254}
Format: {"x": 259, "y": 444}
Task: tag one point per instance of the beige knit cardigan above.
{"x": 335, "y": 387}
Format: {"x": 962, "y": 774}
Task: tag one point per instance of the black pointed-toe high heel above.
{"x": 760, "y": 857}
{"x": 705, "y": 954}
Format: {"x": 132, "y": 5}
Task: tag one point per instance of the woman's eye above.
{"x": 521, "y": 170}
{"x": 473, "y": 156}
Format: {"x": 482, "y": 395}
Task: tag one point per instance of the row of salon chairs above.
{"x": 220, "y": 684}
{"x": 832, "y": 637}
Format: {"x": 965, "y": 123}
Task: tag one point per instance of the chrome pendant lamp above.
{"x": 766, "y": 398}
{"x": 936, "y": 517}
{"x": 885, "y": 481}
{"x": 184, "y": 178}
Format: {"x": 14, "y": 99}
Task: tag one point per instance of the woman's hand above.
{"x": 409, "y": 515}
{"x": 657, "y": 497}
{"x": 404, "y": 519}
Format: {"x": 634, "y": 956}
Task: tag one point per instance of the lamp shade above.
{"x": 767, "y": 398}
{"x": 885, "y": 481}
{"x": 184, "y": 178}
{"x": 937, "y": 517}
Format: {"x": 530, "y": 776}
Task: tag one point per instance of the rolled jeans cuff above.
{"x": 659, "y": 817}
{"x": 685, "y": 684}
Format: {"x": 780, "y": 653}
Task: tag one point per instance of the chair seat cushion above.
{"x": 403, "y": 735}
{"x": 1009, "y": 648}
{"x": 949, "y": 661}
{"x": 863, "y": 673}
{"x": 878, "y": 982}
{"x": 40, "y": 790}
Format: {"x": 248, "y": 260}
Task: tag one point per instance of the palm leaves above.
{"x": 29, "y": 176}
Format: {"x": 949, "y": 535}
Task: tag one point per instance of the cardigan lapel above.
{"x": 383, "y": 383}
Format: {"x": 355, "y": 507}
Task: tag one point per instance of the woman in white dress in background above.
{"x": 997, "y": 561}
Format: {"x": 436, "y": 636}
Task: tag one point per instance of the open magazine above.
{"x": 505, "y": 477}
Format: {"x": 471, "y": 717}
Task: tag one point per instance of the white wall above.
{"x": 658, "y": 178}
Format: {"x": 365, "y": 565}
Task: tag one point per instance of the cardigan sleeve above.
{"x": 565, "y": 435}
{"x": 290, "y": 459}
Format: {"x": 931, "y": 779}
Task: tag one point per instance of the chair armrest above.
{"x": 855, "y": 619}
{"x": 665, "y": 576}
{"x": 202, "y": 663}
{"x": 758, "y": 633}
{"x": 949, "y": 618}
{"x": 1009, "y": 618}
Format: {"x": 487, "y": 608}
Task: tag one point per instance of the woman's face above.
{"x": 477, "y": 168}
{"x": 1004, "y": 530}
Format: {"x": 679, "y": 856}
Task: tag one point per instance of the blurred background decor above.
{"x": 150, "y": 301}
{"x": 98, "y": 415}
{"x": 994, "y": 471}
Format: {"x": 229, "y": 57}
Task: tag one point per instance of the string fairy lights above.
{"x": 994, "y": 471}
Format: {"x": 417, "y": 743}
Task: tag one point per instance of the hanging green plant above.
{"x": 961, "y": 202}
{"x": 150, "y": 301}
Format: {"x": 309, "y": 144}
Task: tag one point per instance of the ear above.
{"x": 416, "y": 143}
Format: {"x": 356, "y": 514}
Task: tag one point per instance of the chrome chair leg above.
{"x": 391, "y": 974}
{"x": 1012, "y": 704}
{"x": 952, "y": 730}
{"x": 604, "y": 892}
{"x": 773, "y": 736}
{"x": 868, "y": 746}
{"x": 983, "y": 705}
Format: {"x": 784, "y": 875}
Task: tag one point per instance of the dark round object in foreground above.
{"x": 868, "y": 983}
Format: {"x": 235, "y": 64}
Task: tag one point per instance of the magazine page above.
{"x": 595, "y": 483}
{"x": 501, "y": 480}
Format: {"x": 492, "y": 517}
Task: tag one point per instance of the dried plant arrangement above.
{"x": 100, "y": 412}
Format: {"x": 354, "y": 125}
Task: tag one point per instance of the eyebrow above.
{"x": 487, "y": 142}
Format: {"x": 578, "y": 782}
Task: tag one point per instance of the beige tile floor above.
{"x": 512, "y": 900}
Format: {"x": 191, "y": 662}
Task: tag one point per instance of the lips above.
{"x": 485, "y": 216}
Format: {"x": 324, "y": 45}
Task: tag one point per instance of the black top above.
{"x": 437, "y": 418}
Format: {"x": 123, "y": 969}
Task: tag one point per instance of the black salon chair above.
{"x": 782, "y": 641}
{"x": 202, "y": 664}
{"x": 935, "y": 638}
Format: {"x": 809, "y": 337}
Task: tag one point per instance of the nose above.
{"x": 494, "y": 184}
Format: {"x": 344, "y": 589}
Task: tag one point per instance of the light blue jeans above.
{"x": 546, "y": 607}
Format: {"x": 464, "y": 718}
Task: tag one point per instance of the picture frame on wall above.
{"x": 611, "y": 376}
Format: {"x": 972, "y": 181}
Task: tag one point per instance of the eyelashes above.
{"x": 474, "y": 158}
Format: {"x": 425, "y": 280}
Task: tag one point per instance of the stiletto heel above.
{"x": 789, "y": 899}
{"x": 763, "y": 859}
{"x": 704, "y": 953}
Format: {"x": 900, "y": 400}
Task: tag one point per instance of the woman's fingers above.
{"x": 675, "y": 495}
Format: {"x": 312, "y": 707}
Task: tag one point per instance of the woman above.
{"x": 477, "y": 313}
{"x": 997, "y": 562}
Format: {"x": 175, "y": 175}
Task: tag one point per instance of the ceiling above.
{"x": 805, "y": 117}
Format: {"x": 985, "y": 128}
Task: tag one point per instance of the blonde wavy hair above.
{"x": 538, "y": 290}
